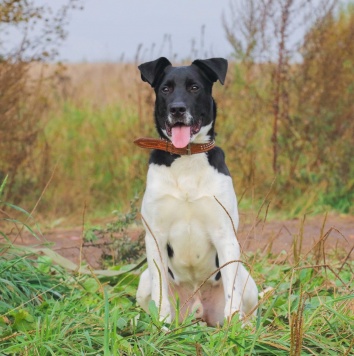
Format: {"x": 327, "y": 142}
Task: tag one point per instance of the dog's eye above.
{"x": 165, "y": 89}
{"x": 194, "y": 88}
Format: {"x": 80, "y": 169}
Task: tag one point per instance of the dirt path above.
{"x": 275, "y": 236}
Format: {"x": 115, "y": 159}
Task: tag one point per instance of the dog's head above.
{"x": 184, "y": 109}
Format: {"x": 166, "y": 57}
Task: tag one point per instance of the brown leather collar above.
{"x": 164, "y": 145}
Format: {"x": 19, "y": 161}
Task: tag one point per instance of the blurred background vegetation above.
{"x": 285, "y": 118}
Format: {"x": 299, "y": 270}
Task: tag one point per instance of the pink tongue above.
{"x": 181, "y": 136}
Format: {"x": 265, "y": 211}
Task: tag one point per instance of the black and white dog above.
{"x": 188, "y": 233}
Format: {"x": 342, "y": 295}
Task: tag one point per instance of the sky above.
{"x": 110, "y": 30}
{"x": 113, "y": 30}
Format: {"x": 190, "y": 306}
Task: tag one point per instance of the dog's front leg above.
{"x": 229, "y": 251}
{"x": 157, "y": 264}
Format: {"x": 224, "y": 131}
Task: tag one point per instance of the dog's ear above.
{"x": 213, "y": 68}
{"x": 151, "y": 71}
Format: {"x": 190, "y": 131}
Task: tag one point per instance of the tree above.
{"x": 303, "y": 50}
{"x": 39, "y": 31}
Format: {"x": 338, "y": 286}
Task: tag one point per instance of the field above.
{"x": 83, "y": 158}
{"x": 71, "y": 246}
{"x": 71, "y": 182}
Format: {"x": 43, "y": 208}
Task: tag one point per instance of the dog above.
{"x": 189, "y": 208}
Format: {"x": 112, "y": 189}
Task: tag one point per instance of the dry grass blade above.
{"x": 319, "y": 252}
{"x": 296, "y": 326}
{"x": 297, "y": 242}
{"x": 160, "y": 284}
{"x": 346, "y": 259}
{"x": 228, "y": 214}
{"x": 153, "y": 236}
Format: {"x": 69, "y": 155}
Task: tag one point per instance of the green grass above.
{"x": 46, "y": 310}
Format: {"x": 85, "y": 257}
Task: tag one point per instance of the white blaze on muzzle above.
{"x": 181, "y": 130}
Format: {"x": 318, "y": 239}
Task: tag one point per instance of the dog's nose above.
{"x": 178, "y": 110}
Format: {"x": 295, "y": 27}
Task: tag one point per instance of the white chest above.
{"x": 181, "y": 210}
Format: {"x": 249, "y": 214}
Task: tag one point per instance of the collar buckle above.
{"x": 189, "y": 149}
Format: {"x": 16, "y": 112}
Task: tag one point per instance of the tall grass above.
{"x": 95, "y": 162}
{"x": 89, "y": 150}
{"x": 84, "y": 159}
{"x": 87, "y": 155}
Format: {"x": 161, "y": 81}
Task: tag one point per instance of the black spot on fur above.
{"x": 218, "y": 275}
{"x": 171, "y": 273}
{"x": 216, "y": 158}
{"x": 162, "y": 158}
{"x": 170, "y": 251}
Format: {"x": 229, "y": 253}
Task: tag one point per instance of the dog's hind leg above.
{"x": 143, "y": 295}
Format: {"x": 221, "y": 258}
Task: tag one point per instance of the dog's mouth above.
{"x": 181, "y": 134}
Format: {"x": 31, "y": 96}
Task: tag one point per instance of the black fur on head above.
{"x": 184, "y": 94}
{"x": 152, "y": 71}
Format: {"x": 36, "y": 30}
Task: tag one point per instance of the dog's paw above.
{"x": 233, "y": 307}
{"x": 165, "y": 329}
{"x": 231, "y": 312}
{"x": 165, "y": 313}
{"x": 229, "y": 316}
{"x": 165, "y": 319}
